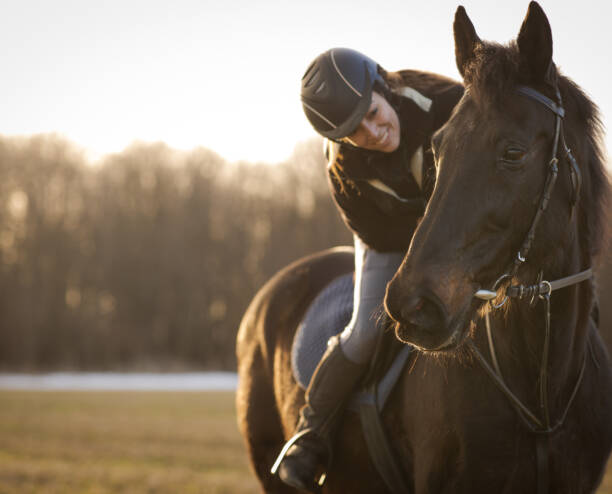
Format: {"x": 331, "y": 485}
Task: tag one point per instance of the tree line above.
{"x": 148, "y": 259}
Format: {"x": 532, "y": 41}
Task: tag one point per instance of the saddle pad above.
{"x": 326, "y": 316}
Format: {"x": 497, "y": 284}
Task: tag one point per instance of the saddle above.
{"x": 327, "y": 315}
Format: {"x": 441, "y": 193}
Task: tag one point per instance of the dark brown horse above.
{"x": 452, "y": 425}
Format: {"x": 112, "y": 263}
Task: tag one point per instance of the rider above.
{"x": 378, "y": 127}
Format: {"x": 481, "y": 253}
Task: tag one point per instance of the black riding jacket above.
{"x": 381, "y": 196}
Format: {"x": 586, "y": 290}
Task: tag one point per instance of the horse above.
{"x": 518, "y": 169}
{"x": 517, "y": 218}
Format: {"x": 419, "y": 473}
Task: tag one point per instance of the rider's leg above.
{"x": 373, "y": 271}
{"x": 341, "y": 367}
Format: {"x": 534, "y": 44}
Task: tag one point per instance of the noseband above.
{"x": 540, "y": 425}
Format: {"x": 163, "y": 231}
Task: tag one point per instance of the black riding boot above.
{"x": 310, "y": 448}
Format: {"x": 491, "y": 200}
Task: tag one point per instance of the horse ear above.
{"x": 466, "y": 39}
{"x": 535, "y": 43}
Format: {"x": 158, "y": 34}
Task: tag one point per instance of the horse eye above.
{"x": 513, "y": 155}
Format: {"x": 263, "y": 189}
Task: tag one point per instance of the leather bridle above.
{"x": 540, "y": 424}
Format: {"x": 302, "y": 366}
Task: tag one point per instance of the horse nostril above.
{"x": 423, "y": 313}
{"x": 412, "y": 308}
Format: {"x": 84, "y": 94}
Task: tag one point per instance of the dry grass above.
{"x": 140, "y": 442}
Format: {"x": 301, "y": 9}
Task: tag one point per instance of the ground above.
{"x": 126, "y": 442}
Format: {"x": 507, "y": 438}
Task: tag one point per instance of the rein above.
{"x": 542, "y": 290}
{"x": 539, "y": 424}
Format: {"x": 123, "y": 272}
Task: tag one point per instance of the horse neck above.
{"x": 519, "y": 333}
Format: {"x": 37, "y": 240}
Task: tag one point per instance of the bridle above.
{"x": 542, "y": 289}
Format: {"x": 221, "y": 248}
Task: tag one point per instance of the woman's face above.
{"x": 380, "y": 128}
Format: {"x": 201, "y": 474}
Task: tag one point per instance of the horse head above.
{"x": 493, "y": 162}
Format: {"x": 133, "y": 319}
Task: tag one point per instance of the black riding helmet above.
{"x": 337, "y": 91}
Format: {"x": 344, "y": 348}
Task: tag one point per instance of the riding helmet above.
{"x": 337, "y": 91}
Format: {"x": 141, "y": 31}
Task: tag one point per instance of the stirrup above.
{"x": 281, "y": 456}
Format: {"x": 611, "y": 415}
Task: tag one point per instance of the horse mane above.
{"x": 496, "y": 70}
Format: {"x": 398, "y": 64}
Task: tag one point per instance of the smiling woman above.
{"x": 380, "y": 128}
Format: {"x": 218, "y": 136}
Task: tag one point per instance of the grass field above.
{"x": 136, "y": 442}
{"x": 127, "y": 442}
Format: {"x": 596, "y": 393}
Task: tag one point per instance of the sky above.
{"x": 225, "y": 74}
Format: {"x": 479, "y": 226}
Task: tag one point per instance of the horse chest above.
{"x": 472, "y": 441}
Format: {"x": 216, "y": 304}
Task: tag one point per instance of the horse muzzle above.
{"x": 432, "y": 320}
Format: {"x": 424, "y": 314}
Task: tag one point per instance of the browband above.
{"x": 547, "y": 102}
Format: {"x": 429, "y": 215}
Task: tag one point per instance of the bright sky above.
{"x": 225, "y": 74}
